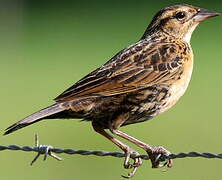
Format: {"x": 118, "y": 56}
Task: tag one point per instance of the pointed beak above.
{"x": 204, "y": 14}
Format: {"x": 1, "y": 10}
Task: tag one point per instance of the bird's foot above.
{"x": 155, "y": 156}
{"x": 137, "y": 162}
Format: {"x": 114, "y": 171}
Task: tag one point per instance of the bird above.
{"x": 138, "y": 83}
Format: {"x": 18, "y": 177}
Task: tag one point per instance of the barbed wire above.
{"x": 48, "y": 150}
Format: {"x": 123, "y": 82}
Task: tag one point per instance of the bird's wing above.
{"x": 138, "y": 66}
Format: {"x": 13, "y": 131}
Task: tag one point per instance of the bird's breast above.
{"x": 179, "y": 86}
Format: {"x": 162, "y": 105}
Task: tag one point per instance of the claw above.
{"x": 127, "y": 164}
{"x": 155, "y": 156}
{"x": 132, "y": 173}
{"x": 135, "y": 165}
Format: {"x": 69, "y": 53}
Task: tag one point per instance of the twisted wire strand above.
{"x": 103, "y": 153}
{"x": 49, "y": 150}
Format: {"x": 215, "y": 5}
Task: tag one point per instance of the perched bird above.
{"x": 138, "y": 83}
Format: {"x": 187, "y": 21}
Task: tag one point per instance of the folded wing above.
{"x": 136, "y": 67}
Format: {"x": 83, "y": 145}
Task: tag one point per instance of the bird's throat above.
{"x": 188, "y": 35}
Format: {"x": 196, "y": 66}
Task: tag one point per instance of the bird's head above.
{"x": 179, "y": 21}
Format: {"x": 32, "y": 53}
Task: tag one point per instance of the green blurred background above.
{"x": 46, "y": 46}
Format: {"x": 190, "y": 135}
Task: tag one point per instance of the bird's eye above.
{"x": 180, "y": 15}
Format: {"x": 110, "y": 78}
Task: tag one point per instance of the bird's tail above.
{"x": 48, "y": 112}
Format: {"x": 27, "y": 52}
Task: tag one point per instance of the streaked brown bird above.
{"x": 138, "y": 83}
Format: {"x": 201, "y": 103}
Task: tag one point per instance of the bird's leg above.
{"x": 153, "y": 152}
{"x": 128, "y": 151}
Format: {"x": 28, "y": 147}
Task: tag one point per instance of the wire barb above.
{"x": 43, "y": 149}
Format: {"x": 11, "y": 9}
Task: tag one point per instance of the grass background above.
{"x": 46, "y": 46}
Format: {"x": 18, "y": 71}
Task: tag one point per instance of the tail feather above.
{"x": 35, "y": 117}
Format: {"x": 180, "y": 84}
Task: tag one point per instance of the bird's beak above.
{"x": 204, "y": 14}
